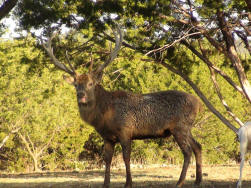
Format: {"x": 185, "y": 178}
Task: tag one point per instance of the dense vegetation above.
{"x": 52, "y": 136}
{"x": 38, "y": 110}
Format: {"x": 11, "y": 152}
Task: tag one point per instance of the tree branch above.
{"x": 47, "y": 144}
{"x": 233, "y": 55}
{"x": 201, "y": 95}
{"x": 173, "y": 43}
{"x": 210, "y": 64}
{"x": 244, "y": 38}
{"x": 6, "y": 7}
{"x": 31, "y": 143}
{"x": 217, "y": 89}
{"x": 195, "y": 88}
{"x": 7, "y": 137}
{"x": 26, "y": 144}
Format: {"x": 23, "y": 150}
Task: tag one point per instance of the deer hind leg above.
{"x": 108, "y": 153}
{"x": 126, "y": 149}
{"x": 182, "y": 138}
{"x": 196, "y": 147}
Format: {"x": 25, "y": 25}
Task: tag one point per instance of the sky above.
{"x": 10, "y": 28}
{"x": 11, "y": 32}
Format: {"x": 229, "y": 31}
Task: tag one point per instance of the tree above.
{"x": 33, "y": 96}
{"x": 157, "y": 28}
{"x": 6, "y": 7}
{"x": 34, "y": 102}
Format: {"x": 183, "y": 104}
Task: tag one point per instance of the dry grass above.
{"x": 151, "y": 177}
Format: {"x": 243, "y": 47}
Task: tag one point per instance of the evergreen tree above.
{"x": 156, "y": 28}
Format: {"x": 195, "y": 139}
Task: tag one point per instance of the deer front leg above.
{"x": 241, "y": 167}
{"x": 243, "y": 148}
{"x": 108, "y": 153}
{"x": 126, "y": 148}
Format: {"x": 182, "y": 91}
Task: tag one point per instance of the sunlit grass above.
{"x": 213, "y": 176}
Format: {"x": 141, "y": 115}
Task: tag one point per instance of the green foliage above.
{"x": 145, "y": 152}
{"x": 37, "y": 103}
{"x": 34, "y": 97}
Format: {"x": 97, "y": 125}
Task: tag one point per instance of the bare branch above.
{"x": 7, "y": 137}
{"x": 119, "y": 73}
{"x": 202, "y": 121}
{"x": 4, "y": 140}
{"x": 218, "y": 70}
{"x": 173, "y": 43}
{"x": 26, "y": 144}
{"x": 244, "y": 38}
{"x": 195, "y": 88}
{"x": 201, "y": 95}
{"x": 48, "y": 143}
{"x": 233, "y": 55}
{"x": 217, "y": 88}
{"x": 31, "y": 143}
{"x": 15, "y": 130}
{"x": 198, "y": 26}
{"x": 248, "y": 31}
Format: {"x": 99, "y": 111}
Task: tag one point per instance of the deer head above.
{"x": 84, "y": 83}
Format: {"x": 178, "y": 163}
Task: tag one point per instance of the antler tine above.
{"x": 114, "y": 53}
{"x": 68, "y": 60}
{"x": 91, "y": 63}
{"x": 48, "y": 48}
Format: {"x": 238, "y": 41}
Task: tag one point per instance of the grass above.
{"x": 151, "y": 177}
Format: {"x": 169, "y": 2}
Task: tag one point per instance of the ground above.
{"x": 147, "y": 177}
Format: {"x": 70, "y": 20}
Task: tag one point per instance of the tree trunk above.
{"x": 233, "y": 56}
{"x": 35, "y": 163}
{"x": 249, "y": 9}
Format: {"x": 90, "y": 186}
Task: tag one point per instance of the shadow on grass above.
{"x": 87, "y": 180}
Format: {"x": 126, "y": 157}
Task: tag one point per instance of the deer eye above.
{"x": 90, "y": 84}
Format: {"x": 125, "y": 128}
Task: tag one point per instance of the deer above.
{"x": 121, "y": 117}
{"x": 244, "y": 136}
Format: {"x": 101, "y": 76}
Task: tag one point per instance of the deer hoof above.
{"x": 197, "y": 182}
{"x": 128, "y": 186}
{"x": 105, "y": 186}
{"x": 179, "y": 185}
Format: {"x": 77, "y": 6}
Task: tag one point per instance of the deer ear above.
{"x": 69, "y": 79}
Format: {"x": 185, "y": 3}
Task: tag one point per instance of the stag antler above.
{"x": 118, "y": 43}
{"x": 48, "y": 48}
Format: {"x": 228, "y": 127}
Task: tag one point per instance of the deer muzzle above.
{"x": 82, "y": 98}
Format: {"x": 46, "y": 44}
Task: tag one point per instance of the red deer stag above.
{"x": 120, "y": 116}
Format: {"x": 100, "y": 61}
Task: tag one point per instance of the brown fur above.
{"x": 122, "y": 116}
{"x": 82, "y": 78}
